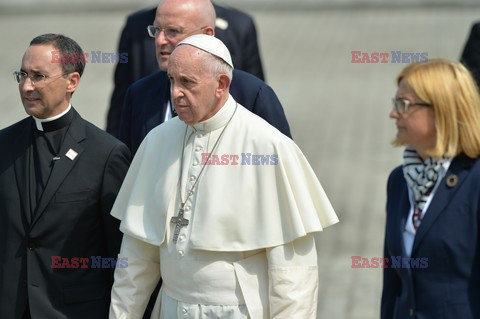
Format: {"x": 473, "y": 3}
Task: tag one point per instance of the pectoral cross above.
{"x": 179, "y": 222}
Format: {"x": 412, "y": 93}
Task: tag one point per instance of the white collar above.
{"x": 219, "y": 120}
{"x": 38, "y": 122}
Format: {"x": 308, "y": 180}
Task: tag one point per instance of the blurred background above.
{"x": 337, "y": 110}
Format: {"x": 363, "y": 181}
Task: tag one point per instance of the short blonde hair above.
{"x": 453, "y": 93}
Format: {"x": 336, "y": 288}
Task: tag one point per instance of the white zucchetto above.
{"x": 210, "y": 44}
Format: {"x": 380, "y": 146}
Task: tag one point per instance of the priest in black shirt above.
{"x": 59, "y": 176}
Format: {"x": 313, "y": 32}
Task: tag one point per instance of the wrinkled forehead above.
{"x": 186, "y": 57}
{"x": 181, "y": 55}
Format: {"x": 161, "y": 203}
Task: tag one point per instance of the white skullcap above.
{"x": 210, "y": 44}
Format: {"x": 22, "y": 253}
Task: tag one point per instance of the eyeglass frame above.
{"x": 166, "y": 32}
{"x": 21, "y": 79}
{"x": 406, "y": 105}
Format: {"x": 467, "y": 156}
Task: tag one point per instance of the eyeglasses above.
{"x": 170, "y": 33}
{"x": 36, "y": 78}
{"x": 401, "y": 105}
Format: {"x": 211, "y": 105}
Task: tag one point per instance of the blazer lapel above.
{"x": 398, "y": 224}
{"x": 443, "y": 196}
{"x": 69, "y": 154}
{"x": 22, "y": 169}
{"x": 158, "y": 104}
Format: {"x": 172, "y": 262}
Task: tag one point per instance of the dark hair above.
{"x": 66, "y": 46}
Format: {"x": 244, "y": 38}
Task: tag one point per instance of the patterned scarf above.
{"x": 421, "y": 177}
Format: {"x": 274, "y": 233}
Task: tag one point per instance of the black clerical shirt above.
{"x": 44, "y": 154}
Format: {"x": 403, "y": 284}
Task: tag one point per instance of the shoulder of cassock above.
{"x": 238, "y": 207}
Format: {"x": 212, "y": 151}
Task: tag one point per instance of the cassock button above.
{"x": 187, "y": 208}
{"x": 198, "y": 148}
{"x": 192, "y": 178}
{"x": 31, "y": 246}
{"x": 181, "y": 253}
{"x": 184, "y": 310}
{"x": 195, "y": 163}
{"x": 181, "y": 238}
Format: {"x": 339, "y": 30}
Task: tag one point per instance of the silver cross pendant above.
{"x": 179, "y": 222}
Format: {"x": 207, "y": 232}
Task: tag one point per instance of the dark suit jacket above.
{"x": 471, "y": 53}
{"x": 240, "y": 37}
{"x": 72, "y": 219}
{"x": 146, "y": 104}
{"x": 449, "y": 287}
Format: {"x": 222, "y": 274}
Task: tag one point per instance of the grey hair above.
{"x": 215, "y": 64}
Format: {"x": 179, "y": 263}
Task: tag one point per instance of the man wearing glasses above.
{"x": 147, "y": 102}
{"x": 234, "y": 27}
{"x": 59, "y": 177}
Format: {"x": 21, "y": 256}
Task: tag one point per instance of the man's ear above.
{"x": 73, "y": 81}
{"x": 209, "y": 31}
{"x": 223, "y": 84}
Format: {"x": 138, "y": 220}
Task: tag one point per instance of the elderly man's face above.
{"x": 49, "y": 97}
{"x": 177, "y": 21}
{"x": 194, "y": 88}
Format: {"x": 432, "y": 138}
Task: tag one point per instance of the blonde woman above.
{"x": 433, "y": 199}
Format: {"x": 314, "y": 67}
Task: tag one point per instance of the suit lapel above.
{"x": 159, "y": 103}
{"x": 61, "y": 168}
{"x": 460, "y": 167}
{"x": 398, "y": 224}
{"x": 22, "y": 168}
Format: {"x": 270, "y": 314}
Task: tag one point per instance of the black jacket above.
{"x": 72, "y": 220}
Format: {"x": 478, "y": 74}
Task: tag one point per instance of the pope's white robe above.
{"x": 248, "y": 249}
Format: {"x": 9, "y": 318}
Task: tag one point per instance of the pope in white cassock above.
{"x": 220, "y": 205}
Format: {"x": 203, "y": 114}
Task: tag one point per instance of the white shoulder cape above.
{"x": 238, "y": 207}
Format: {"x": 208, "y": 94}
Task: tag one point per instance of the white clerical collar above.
{"x": 219, "y": 120}
{"x": 38, "y": 122}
